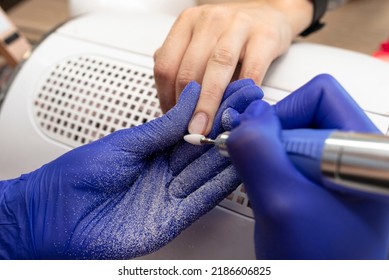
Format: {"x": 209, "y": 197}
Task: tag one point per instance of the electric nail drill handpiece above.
{"x": 349, "y": 162}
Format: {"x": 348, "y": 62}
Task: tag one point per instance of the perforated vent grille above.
{"x": 87, "y": 97}
{"x": 239, "y": 202}
{"x": 84, "y": 98}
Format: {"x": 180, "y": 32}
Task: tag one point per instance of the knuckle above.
{"x": 156, "y": 54}
{"x": 274, "y": 39}
{"x": 212, "y": 94}
{"x": 243, "y": 18}
{"x": 325, "y": 79}
{"x": 184, "y": 77}
{"x": 163, "y": 69}
{"x": 213, "y": 13}
{"x": 223, "y": 57}
{"x": 254, "y": 72}
{"x": 325, "y": 83}
{"x": 188, "y": 13}
{"x": 271, "y": 33}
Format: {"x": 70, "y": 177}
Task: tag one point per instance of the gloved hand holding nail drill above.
{"x": 296, "y": 218}
{"x": 123, "y": 196}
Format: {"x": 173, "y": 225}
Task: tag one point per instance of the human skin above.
{"x": 214, "y": 43}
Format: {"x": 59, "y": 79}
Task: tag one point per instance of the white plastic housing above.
{"x": 170, "y": 7}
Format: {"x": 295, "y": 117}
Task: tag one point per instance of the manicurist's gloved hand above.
{"x": 296, "y": 218}
{"x": 123, "y": 196}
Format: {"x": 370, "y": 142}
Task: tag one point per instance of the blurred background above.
{"x": 360, "y": 25}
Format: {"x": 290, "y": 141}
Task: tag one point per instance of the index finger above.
{"x": 219, "y": 71}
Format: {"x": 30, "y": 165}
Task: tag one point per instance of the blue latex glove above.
{"x": 295, "y": 218}
{"x": 123, "y": 196}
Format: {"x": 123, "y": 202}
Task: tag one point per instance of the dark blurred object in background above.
{"x": 5, "y": 70}
{"x": 8, "y": 4}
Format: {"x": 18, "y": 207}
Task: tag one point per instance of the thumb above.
{"x": 256, "y": 149}
{"x": 230, "y": 119}
{"x": 167, "y": 130}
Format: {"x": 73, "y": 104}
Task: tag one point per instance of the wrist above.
{"x": 298, "y": 13}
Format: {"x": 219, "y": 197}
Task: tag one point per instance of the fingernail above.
{"x": 199, "y": 123}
